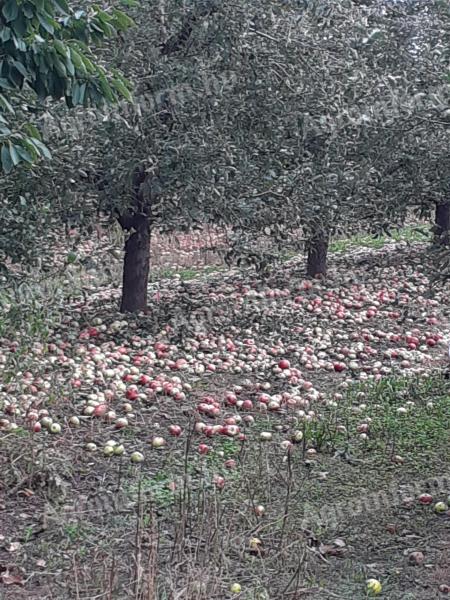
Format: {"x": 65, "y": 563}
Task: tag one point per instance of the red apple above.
{"x": 203, "y": 449}
{"x": 425, "y": 498}
{"x": 175, "y": 430}
{"x": 132, "y": 394}
{"x": 247, "y": 405}
{"x": 100, "y": 410}
{"x": 284, "y": 364}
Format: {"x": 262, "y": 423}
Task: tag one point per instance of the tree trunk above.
{"x": 442, "y": 224}
{"x": 136, "y": 269}
{"x": 317, "y": 255}
{"x": 137, "y": 220}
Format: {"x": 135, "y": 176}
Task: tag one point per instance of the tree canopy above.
{"x": 291, "y": 122}
{"x": 47, "y": 51}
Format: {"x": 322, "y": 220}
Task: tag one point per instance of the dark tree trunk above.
{"x": 137, "y": 220}
{"x": 317, "y": 255}
{"x": 136, "y": 268}
{"x": 442, "y": 224}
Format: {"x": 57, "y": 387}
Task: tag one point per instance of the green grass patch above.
{"x": 411, "y": 234}
{"x": 184, "y": 274}
{"x": 405, "y": 416}
{"x": 155, "y": 489}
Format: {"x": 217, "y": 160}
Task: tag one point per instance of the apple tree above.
{"x": 276, "y": 121}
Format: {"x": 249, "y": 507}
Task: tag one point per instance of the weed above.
{"x": 74, "y": 531}
{"x": 156, "y": 489}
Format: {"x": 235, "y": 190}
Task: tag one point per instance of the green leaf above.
{"x": 5, "y": 105}
{"x": 60, "y": 67}
{"x": 28, "y": 11}
{"x": 19, "y": 44}
{"x": 6, "y": 84}
{"x": 20, "y": 25}
{"x": 61, "y": 48}
{"x": 10, "y": 10}
{"x": 34, "y": 153}
{"x": 24, "y": 154}
{"x": 47, "y": 23}
{"x": 77, "y": 62}
{"x": 105, "y": 28}
{"x": 32, "y": 131}
{"x": 14, "y": 154}
{"x": 88, "y": 64}
{"x": 5, "y": 34}
{"x": 15, "y": 77}
{"x": 62, "y": 5}
{"x": 103, "y": 16}
{"x": 122, "y": 89}
{"x": 122, "y": 19}
{"x": 106, "y": 88}
{"x": 42, "y": 148}
{"x": 7, "y": 163}
{"x": 78, "y": 92}
{"x": 22, "y": 70}
{"x": 70, "y": 68}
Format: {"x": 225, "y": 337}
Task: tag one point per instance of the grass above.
{"x": 419, "y": 434}
{"x": 349, "y": 490}
{"x": 410, "y": 234}
{"x": 156, "y": 489}
{"x": 186, "y": 274}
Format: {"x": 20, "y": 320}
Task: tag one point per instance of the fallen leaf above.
{"x": 41, "y": 562}
{"x": 14, "y": 546}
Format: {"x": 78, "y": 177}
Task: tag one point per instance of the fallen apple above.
{"x": 119, "y": 449}
{"x": 440, "y": 507}
{"x": 158, "y": 442}
{"x": 373, "y": 587}
{"x": 425, "y": 498}
{"x": 137, "y": 457}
